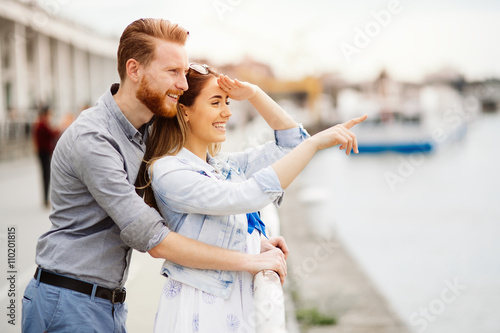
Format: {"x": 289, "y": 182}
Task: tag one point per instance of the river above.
{"x": 424, "y": 228}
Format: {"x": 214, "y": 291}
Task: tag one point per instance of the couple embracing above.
{"x": 142, "y": 170}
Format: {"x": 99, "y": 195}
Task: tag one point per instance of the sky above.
{"x": 356, "y": 38}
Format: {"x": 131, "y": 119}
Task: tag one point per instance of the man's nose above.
{"x": 182, "y": 83}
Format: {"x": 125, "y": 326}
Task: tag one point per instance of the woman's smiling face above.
{"x": 208, "y": 116}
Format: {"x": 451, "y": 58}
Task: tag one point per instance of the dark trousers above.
{"x": 45, "y": 158}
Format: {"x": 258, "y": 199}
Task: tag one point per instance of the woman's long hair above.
{"x": 168, "y": 135}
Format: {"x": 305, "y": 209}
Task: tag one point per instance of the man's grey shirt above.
{"x": 97, "y": 216}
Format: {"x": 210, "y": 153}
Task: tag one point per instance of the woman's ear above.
{"x": 183, "y": 112}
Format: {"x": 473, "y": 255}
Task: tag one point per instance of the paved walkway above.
{"x": 21, "y": 206}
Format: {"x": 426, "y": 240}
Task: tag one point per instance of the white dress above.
{"x": 184, "y": 309}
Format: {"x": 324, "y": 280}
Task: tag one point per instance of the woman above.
{"x": 213, "y": 197}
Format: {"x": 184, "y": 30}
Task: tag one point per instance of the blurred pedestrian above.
{"x": 45, "y": 138}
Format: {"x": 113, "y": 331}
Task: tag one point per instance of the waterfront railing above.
{"x": 268, "y": 292}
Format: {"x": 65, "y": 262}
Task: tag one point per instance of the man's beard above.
{"x": 156, "y": 101}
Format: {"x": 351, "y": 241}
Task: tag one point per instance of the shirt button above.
{"x": 141, "y": 142}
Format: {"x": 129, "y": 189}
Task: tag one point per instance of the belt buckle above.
{"x": 118, "y": 293}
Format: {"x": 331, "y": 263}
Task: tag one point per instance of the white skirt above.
{"x": 184, "y": 309}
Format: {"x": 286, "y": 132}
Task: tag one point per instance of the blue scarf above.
{"x": 254, "y": 222}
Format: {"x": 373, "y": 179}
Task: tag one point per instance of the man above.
{"x": 97, "y": 217}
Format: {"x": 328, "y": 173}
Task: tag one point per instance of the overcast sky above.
{"x": 355, "y": 38}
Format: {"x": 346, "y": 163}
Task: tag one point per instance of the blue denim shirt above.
{"x": 209, "y": 201}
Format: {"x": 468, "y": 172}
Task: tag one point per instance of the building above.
{"x": 47, "y": 60}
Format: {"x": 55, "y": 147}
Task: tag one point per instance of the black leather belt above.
{"x": 113, "y": 295}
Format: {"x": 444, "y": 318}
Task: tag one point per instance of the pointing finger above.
{"x": 349, "y": 124}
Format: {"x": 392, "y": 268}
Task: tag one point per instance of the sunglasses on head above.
{"x": 199, "y": 68}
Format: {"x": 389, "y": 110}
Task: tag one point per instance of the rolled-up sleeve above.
{"x": 142, "y": 238}
{"x": 290, "y": 138}
{"x": 269, "y": 182}
{"x": 254, "y": 159}
{"x": 101, "y": 169}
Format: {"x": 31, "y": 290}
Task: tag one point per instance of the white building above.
{"x": 47, "y": 60}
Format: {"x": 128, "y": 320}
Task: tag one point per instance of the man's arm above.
{"x": 191, "y": 253}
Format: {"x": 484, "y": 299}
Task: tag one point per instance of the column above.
{"x": 43, "y": 72}
{"x": 103, "y": 73}
{"x": 111, "y": 71}
{"x": 64, "y": 78}
{"x": 3, "y": 108}
{"x": 20, "y": 65}
{"x": 81, "y": 80}
{"x": 96, "y": 76}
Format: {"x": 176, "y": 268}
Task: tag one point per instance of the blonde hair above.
{"x": 138, "y": 41}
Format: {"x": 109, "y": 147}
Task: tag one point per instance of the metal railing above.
{"x": 268, "y": 292}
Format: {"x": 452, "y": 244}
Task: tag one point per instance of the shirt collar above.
{"x": 193, "y": 159}
{"x": 130, "y": 131}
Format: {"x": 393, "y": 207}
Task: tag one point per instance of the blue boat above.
{"x": 407, "y": 139}
{"x": 402, "y": 148}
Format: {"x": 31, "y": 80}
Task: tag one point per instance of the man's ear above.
{"x": 133, "y": 70}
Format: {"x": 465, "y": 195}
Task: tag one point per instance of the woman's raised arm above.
{"x": 289, "y": 167}
{"x": 273, "y": 114}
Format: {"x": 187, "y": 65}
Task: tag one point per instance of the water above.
{"x": 430, "y": 239}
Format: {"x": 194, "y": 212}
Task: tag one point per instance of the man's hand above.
{"x": 272, "y": 243}
{"x": 276, "y": 245}
{"x": 273, "y": 260}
